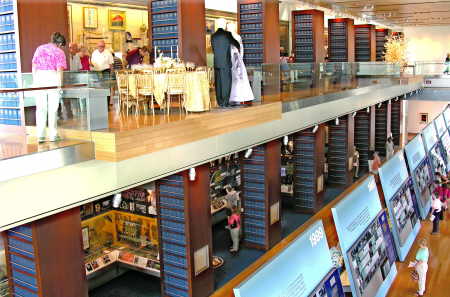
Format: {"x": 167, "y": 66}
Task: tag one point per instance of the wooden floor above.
{"x": 438, "y": 276}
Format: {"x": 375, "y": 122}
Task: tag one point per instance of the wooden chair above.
{"x": 135, "y": 98}
{"x": 176, "y": 86}
{"x": 145, "y": 86}
{"x": 122, "y": 88}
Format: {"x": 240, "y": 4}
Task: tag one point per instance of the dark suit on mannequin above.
{"x": 221, "y": 42}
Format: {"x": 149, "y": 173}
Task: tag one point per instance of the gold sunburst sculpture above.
{"x": 395, "y": 50}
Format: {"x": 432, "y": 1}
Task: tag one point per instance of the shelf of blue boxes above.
{"x": 6, "y": 6}
{"x": 251, "y": 28}
{"x": 164, "y": 15}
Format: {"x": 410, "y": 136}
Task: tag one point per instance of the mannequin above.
{"x": 240, "y": 86}
{"x": 221, "y": 42}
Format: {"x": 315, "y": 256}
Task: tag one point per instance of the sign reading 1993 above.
{"x": 289, "y": 274}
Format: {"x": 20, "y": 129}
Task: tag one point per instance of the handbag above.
{"x": 432, "y": 218}
{"x": 414, "y": 275}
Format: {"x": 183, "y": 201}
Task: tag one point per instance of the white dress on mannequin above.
{"x": 240, "y": 86}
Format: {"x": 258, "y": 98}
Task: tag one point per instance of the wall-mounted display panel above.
{"x": 433, "y": 149}
{"x": 401, "y": 201}
{"x": 289, "y": 274}
{"x": 366, "y": 241}
{"x": 446, "y": 114}
{"x": 421, "y": 172}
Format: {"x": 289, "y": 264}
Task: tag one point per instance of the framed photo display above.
{"x": 90, "y": 17}
{"x": 117, "y": 19}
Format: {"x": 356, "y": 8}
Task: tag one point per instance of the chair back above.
{"x": 145, "y": 83}
{"x": 132, "y": 85}
{"x": 122, "y": 81}
{"x": 176, "y": 80}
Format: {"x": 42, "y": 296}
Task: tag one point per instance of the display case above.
{"x": 341, "y": 40}
{"x": 382, "y": 117}
{"x": 421, "y": 173}
{"x": 340, "y": 151}
{"x": 365, "y": 43}
{"x": 308, "y": 170}
{"x": 396, "y": 120}
{"x": 369, "y": 257}
{"x": 251, "y": 26}
{"x": 363, "y": 134}
{"x": 11, "y": 106}
{"x": 381, "y": 37}
{"x": 308, "y": 36}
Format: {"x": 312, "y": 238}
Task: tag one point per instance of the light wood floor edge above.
{"x": 227, "y": 289}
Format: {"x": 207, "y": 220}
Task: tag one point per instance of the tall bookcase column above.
{"x": 309, "y": 159}
{"x": 260, "y": 176}
{"x": 308, "y": 36}
{"x": 340, "y": 151}
{"x": 365, "y": 43}
{"x": 365, "y": 135}
{"x": 45, "y": 258}
{"x": 21, "y": 32}
{"x": 397, "y": 127}
{"x": 341, "y": 40}
{"x": 382, "y": 126}
{"x": 184, "y": 220}
{"x": 381, "y": 36}
{"x": 178, "y": 26}
{"x": 259, "y": 28}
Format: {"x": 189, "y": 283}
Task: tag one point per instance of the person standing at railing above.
{"x": 49, "y": 62}
{"x": 447, "y": 64}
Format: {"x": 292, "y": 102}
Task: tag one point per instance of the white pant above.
{"x": 422, "y": 271}
{"x": 47, "y": 102}
{"x": 235, "y": 238}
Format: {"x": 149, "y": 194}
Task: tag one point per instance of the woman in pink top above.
{"x": 49, "y": 62}
{"x": 234, "y": 225}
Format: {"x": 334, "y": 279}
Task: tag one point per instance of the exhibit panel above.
{"x": 366, "y": 241}
{"x": 446, "y": 114}
{"x": 289, "y": 273}
{"x": 433, "y": 149}
{"x": 402, "y": 203}
{"x": 421, "y": 172}
{"x": 444, "y": 139}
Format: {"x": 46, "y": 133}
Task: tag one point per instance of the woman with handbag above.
{"x": 234, "y": 225}
{"x": 421, "y": 265}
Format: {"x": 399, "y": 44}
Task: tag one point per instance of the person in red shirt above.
{"x": 234, "y": 225}
{"x": 84, "y": 58}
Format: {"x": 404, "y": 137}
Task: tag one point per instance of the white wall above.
{"x": 223, "y": 5}
{"x": 416, "y": 107}
{"x": 427, "y": 43}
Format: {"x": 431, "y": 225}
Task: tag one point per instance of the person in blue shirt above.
{"x": 421, "y": 266}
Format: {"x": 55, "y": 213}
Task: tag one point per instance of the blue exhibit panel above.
{"x": 297, "y": 271}
{"x": 445, "y": 141}
{"x": 446, "y": 114}
{"x": 421, "y": 173}
{"x": 402, "y": 203}
{"x": 429, "y": 136}
{"x": 366, "y": 241}
{"x": 439, "y": 124}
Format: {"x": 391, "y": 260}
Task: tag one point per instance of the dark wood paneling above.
{"x": 273, "y": 185}
{"x": 59, "y": 250}
{"x": 271, "y": 23}
{"x": 200, "y": 230}
{"x": 37, "y": 21}
{"x": 192, "y": 32}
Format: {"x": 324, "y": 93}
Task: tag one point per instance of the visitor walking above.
{"x": 436, "y": 213}
{"x": 234, "y": 225}
{"x": 421, "y": 265}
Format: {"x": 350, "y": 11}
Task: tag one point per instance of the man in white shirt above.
{"x": 102, "y": 59}
{"x": 74, "y": 58}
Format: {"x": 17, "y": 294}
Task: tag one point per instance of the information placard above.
{"x": 366, "y": 241}
{"x": 290, "y": 273}
{"x": 422, "y": 175}
{"x": 429, "y": 136}
{"x": 440, "y": 125}
{"x": 401, "y": 202}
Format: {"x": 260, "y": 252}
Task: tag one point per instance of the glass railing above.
{"x": 429, "y": 68}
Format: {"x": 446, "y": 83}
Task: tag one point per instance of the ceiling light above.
{"x": 192, "y": 174}
{"x": 248, "y": 153}
{"x": 316, "y": 127}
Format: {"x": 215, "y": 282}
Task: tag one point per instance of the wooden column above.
{"x": 396, "y": 120}
{"x": 382, "y": 126}
{"x": 184, "y": 218}
{"x": 179, "y": 23}
{"x": 365, "y": 135}
{"x": 365, "y": 43}
{"x": 341, "y": 40}
{"x": 261, "y": 185}
{"x": 309, "y": 158}
{"x": 45, "y": 258}
{"x": 308, "y": 36}
{"x": 340, "y": 151}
